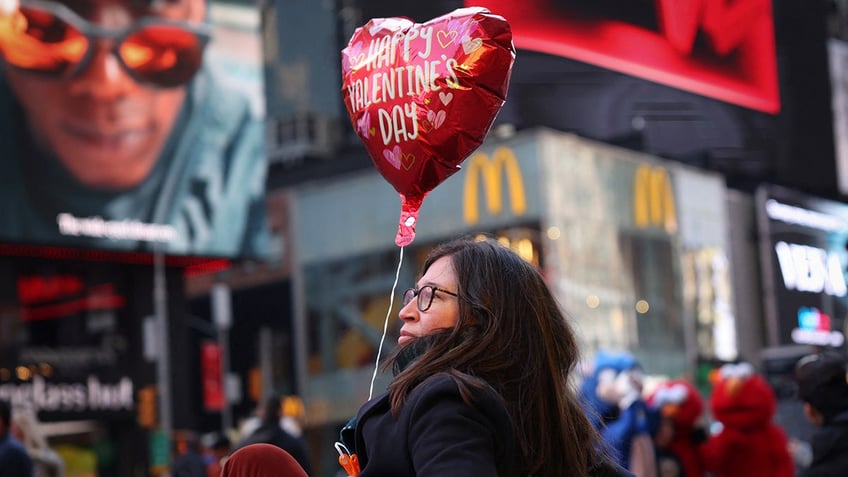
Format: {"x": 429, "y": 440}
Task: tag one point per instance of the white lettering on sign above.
{"x": 98, "y": 227}
{"x": 818, "y": 337}
{"x": 810, "y": 269}
{"x": 804, "y": 217}
{"x": 93, "y": 395}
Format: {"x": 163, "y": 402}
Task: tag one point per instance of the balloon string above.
{"x": 385, "y": 325}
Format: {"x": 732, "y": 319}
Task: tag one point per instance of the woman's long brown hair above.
{"x": 512, "y": 335}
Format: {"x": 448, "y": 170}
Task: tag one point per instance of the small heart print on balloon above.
{"x": 436, "y": 119}
{"x": 356, "y": 56}
{"x": 471, "y": 45}
{"x": 445, "y": 98}
{"x": 446, "y": 37}
{"x": 408, "y": 161}
{"x": 393, "y": 156}
{"x": 363, "y": 123}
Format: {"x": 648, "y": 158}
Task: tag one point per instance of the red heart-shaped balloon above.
{"x": 422, "y": 96}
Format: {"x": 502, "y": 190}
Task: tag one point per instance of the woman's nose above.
{"x": 409, "y": 311}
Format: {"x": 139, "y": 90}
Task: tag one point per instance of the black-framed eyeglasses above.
{"x": 50, "y": 39}
{"x": 425, "y": 296}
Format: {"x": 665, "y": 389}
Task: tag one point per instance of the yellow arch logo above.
{"x": 503, "y": 161}
{"x": 653, "y": 199}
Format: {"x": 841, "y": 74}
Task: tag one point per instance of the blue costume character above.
{"x": 612, "y": 395}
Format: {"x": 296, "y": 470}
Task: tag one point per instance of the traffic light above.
{"x": 147, "y": 407}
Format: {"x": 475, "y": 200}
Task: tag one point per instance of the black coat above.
{"x": 436, "y": 434}
{"x": 830, "y": 449}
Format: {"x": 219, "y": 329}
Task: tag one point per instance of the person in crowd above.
{"x": 14, "y": 460}
{"x": 262, "y": 460}
{"x": 27, "y": 429}
{"x": 270, "y": 432}
{"x": 219, "y": 451}
{"x": 678, "y": 409}
{"x": 612, "y": 396}
{"x": 294, "y": 416}
{"x": 116, "y": 134}
{"x": 748, "y": 441}
{"x": 250, "y": 422}
{"x": 667, "y": 462}
{"x": 481, "y": 380}
{"x": 188, "y": 462}
{"x": 823, "y": 389}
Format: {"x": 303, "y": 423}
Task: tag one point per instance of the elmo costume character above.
{"x": 749, "y": 442}
{"x": 612, "y": 394}
{"x": 679, "y": 405}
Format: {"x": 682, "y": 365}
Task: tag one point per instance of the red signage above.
{"x": 46, "y": 297}
{"x": 723, "y": 49}
{"x": 210, "y": 369}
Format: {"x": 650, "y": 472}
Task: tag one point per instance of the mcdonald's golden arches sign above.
{"x": 492, "y": 169}
{"x": 653, "y": 199}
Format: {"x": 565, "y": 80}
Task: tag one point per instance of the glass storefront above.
{"x": 623, "y": 237}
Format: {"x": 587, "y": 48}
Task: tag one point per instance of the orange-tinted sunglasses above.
{"x": 51, "y": 39}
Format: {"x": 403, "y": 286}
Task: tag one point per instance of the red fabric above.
{"x": 262, "y": 460}
{"x": 685, "y": 417}
{"x": 750, "y": 443}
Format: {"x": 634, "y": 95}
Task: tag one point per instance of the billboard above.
{"x": 803, "y": 251}
{"x": 723, "y": 50}
{"x": 152, "y": 140}
{"x": 837, "y": 51}
{"x": 68, "y": 351}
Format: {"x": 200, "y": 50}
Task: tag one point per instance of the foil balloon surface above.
{"x": 422, "y": 96}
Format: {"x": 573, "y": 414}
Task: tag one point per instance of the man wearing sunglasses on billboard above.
{"x": 116, "y": 135}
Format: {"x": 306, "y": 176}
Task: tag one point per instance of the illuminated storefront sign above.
{"x": 653, "y": 199}
{"x": 45, "y": 297}
{"x": 814, "y": 329}
{"x": 810, "y": 269}
{"x": 212, "y": 382}
{"x": 502, "y": 161}
{"x": 724, "y": 50}
{"x": 802, "y": 240}
{"x": 91, "y": 395}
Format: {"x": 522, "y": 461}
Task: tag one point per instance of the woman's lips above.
{"x": 405, "y": 337}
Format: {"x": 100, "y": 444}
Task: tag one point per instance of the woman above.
{"x": 482, "y": 378}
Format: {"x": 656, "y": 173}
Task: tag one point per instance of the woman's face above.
{"x": 444, "y": 310}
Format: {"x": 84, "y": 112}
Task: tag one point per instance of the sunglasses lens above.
{"x": 37, "y": 40}
{"x": 164, "y": 55}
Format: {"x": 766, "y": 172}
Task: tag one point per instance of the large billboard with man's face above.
{"x": 132, "y": 125}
